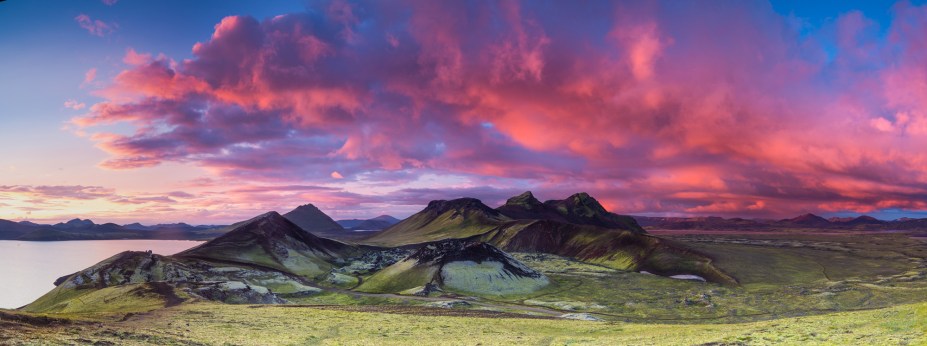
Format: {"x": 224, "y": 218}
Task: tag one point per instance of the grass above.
{"x": 796, "y": 289}
{"x": 398, "y": 277}
{"x": 217, "y": 324}
{"x": 117, "y": 299}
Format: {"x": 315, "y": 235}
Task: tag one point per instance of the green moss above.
{"x": 118, "y": 299}
{"x": 243, "y": 325}
{"x": 398, "y": 277}
{"x": 487, "y": 278}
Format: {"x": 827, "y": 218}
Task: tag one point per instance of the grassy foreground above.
{"x": 220, "y": 324}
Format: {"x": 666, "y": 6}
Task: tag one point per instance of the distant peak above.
{"x": 808, "y": 219}
{"x": 466, "y": 203}
{"x": 584, "y": 199}
{"x": 808, "y": 216}
{"x": 268, "y": 215}
{"x": 77, "y": 223}
{"x": 385, "y": 217}
{"x": 525, "y": 199}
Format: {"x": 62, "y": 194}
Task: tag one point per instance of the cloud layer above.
{"x": 662, "y": 107}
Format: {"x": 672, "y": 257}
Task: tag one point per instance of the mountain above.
{"x": 386, "y": 218}
{"x": 702, "y": 223}
{"x": 613, "y": 248}
{"x": 576, "y": 227}
{"x": 459, "y": 266}
{"x": 374, "y": 224}
{"x": 85, "y": 229}
{"x": 579, "y": 209}
{"x": 139, "y": 281}
{"x": 137, "y": 226}
{"x": 864, "y": 220}
{"x": 262, "y": 260}
{"x": 808, "y": 220}
{"x": 74, "y": 223}
{"x": 311, "y": 219}
{"x": 13, "y": 230}
{"x": 273, "y": 241}
{"x": 459, "y": 218}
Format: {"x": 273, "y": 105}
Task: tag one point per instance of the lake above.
{"x": 29, "y": 269}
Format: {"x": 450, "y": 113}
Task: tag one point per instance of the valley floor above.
{"x": 221, "y": 324}
{"x": 796, "y": 288}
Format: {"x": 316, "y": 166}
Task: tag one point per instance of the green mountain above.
{"x": 272, "y": 241}
{"x": 459, "y": 218}
{"x": 613, "y": 248}
{"x": 261, "y": 260}
{"x": 137, "y": 281}
{"x": 577, "y": 227}
{"x": 579, "y": 209}
{"x": 458, "y": 266}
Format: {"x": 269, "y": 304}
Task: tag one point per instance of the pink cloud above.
{"x": 95, "y": 27}
{"x": 134, "y": 58}
{"x": 90, "y": 75}
{"x": 75, "y": 105}
{"x": 735, "y": 113}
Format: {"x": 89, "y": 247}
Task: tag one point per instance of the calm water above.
{"x": 29, "y": 269}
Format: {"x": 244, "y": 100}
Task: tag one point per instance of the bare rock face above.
{"x": 131, "y": 267}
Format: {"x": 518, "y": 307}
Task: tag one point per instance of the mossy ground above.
{"x": 804, "y": 289}
{"x": 220, "y": 324}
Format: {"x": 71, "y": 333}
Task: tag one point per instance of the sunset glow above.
{"x": 122, "y": 112}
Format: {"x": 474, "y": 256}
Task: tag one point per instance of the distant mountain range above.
{"x": 456, "y": 247}
{"x": 84, "y": 229}
{"x": 579, "y": 209}
{"x": 374, "y": 224}
{"x": 308, "y": 217}
{"x": 805, "y": 221}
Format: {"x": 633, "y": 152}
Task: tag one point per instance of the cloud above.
{"x": 95, "y": 27}
{"x": 656, "y": 107}
{"x": 74, "y": 104}
{"x": 57, "y": 191}
{"x": 109, "y": 2}
{"x": 90, "y": 76}
{"x": 135, "y": 58}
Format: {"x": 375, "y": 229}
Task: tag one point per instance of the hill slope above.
{"x": 459, "y": 218}
{"x": 377, "y": 223}
{"x": 470, "y": 267}
{"x": 579, "y": 209}
{"x": 272, "y": 241}
{"x": 577, "y": 227}
{"x": 313, "y": 220}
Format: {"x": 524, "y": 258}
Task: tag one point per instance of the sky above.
{"x": 211, "y": 112}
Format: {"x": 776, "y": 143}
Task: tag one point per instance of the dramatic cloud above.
{"x": 658, "y": 107}
{"x": 95, "y": 27}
